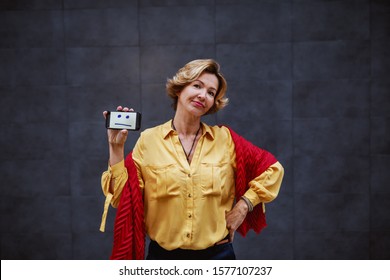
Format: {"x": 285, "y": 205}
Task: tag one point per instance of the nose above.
{"x": 202, "y": 94}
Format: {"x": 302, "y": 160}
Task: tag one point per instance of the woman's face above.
{"x": 198, "y": 97}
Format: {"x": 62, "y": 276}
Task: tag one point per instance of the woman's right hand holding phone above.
{"x": 117, "y": 139}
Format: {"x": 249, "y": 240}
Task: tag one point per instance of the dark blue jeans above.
{"x": 216, "y": 252}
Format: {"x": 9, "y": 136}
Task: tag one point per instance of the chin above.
{"x": 198, "y": 112}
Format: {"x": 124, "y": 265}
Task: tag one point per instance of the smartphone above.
{"x": 123, "y": 120}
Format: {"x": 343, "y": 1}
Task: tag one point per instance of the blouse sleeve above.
{"x": 265, "y": 187}
{"x": 118, "y": 173}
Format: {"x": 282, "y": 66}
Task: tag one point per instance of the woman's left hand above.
{"x": 235, "y": 217}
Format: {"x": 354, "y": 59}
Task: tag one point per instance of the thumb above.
{"x": 231, "y": 236}
{"x": 122, "y": 135}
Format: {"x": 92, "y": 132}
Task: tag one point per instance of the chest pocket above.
{"x": 163, "y": 182}
{"x": 211, "y": 180}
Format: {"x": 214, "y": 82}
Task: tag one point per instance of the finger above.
{"x": 105, "y": 114}
{"x": 228, "y": 222}
{"x": 126, "y": 109}
{"x": 119, "y": 108}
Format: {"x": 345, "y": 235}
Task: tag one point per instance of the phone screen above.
{"x": 123, "y": 120}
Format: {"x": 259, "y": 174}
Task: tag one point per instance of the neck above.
{"x": 186, "y": 126}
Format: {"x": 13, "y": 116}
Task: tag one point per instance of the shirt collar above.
{"x": 167, "y": 129}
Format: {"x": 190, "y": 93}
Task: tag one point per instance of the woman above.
{"x": 199, "y": 184}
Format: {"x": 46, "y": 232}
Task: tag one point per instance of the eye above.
{"x": 196, "y": 86}
{"x": 211, "y": 93}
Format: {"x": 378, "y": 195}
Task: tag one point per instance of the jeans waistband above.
{"x": 222, "y": 251}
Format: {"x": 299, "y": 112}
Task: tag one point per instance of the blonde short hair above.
{"x": 189, "y": 73}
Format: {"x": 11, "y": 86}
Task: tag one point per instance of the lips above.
{"x": 198, "y": 104}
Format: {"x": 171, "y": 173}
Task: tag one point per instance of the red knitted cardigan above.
{"x": 129, "y": 227}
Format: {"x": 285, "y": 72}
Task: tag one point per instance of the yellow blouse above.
{"x": 185, "y": 203}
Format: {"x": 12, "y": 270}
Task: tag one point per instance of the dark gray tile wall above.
{"x": 308, "y": 80}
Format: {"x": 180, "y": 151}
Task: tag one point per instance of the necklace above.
{"x": 193, "y": 142}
